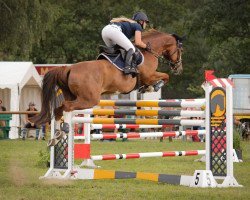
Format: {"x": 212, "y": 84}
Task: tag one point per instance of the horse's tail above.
{"x": 55, "y": 77}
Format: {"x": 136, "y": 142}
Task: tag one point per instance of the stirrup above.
{"x": 130, "y": 70}
{"x": 134, "y": 70}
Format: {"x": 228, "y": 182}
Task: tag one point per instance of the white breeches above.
{"x": 112, "y": 35}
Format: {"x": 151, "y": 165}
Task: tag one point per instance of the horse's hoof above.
{"x": 156, "y": 89}
{"x": 51, "y": 143}
{"x": 143, "y": 89}
{"x": 158, "y": 85}
{"x": 59, "y": 135}
{"x": 65, "y": 127}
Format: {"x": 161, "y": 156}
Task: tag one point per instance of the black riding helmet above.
{"x": 140, "y": 16}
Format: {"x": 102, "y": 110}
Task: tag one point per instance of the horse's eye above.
{"x": 165, "y": 54}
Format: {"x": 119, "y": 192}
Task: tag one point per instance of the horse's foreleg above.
{"x": 157, "y": 76}
{"x": 157, "y": 80}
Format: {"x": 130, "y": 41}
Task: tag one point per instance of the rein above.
{"x": 162, "y": 59}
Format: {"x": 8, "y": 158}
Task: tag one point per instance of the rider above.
{"x": 120, "y": 30}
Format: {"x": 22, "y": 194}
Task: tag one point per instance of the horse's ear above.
{"x": 183, "y": 38}
{"x": 178, "y": 38}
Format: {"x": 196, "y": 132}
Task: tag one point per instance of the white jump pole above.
{"x": 229, "y": 181}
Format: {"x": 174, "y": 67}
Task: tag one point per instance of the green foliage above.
{"x": 70, "y": 31}
{"x": 236, "y": 139}
{"x": 225, "y": 27}
{"x": 23, "y": 23}
{"x": 44, "y": 158}
{"x": 1, "y": 134}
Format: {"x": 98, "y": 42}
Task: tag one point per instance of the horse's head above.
{"x": 168, "y": 46}
{"x": 173, "y": 53}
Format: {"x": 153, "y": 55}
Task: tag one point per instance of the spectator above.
{"x": 196, "y": 138}
{"x": 236, "y": 121}
{"x": 2, "y": 108}
{"x": 43, "y": 131}
{"x": 28, "y": 123}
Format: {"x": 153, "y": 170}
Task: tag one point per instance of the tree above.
{"x": 226, "y": 25}
{"x": 65, "y": 31}
{"x": 23, "y": 23}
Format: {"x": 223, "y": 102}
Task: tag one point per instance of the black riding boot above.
{"x": 130, "y": 67}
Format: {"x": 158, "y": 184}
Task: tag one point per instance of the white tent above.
{"x": 19, "y": 84}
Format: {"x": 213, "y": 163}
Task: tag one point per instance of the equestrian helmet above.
{"x": 140, "y": 16}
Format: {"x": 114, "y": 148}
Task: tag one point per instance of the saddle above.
{"x": 117, "y": 55}
{"x": 112, "y": 51}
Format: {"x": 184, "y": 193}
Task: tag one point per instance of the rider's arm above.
{"x": 27, "y": 119}
{"x": 138, "y": 41}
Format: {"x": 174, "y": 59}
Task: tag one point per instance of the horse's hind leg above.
{"x": 58, "y": 112}
{"x": 79, "y": 104}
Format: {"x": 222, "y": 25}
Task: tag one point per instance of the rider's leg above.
{"x": 107, "y": 32}
{"x": 112, "y": 36}
{"x": 43, "y": 131}
{"x": 37, "y": 133}
{"x": 24, "y": 133}
{"x": 130, "y": 66}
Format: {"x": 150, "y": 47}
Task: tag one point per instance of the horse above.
{"x": 83, "y": 83}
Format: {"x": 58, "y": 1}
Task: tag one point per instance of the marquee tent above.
{"x": 19, "y": 84}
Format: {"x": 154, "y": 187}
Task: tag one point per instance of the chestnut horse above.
{"x": 83, "y": 83}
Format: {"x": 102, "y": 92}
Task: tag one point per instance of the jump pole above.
{"x": 182, "y": 113}
{"x": 126, "y": 126}
{"x": 147, "y": 155}
{"x": 138, "y": 121}
{"x": 19, "y": 112}
{"x": 183, "y": 103}
{"x": 142, "y": 135}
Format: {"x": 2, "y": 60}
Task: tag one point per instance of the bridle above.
{"x": 178, "y": 51}
{"x": 165, "y": 57}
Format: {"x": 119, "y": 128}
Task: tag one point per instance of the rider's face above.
{"x": 143, "y": 24}
{"x": 32, "y": 107}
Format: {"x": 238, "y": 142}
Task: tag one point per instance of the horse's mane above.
{"x": 151, "y": 33}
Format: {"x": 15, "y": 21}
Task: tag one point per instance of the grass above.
{"x": 19, "y": 173}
